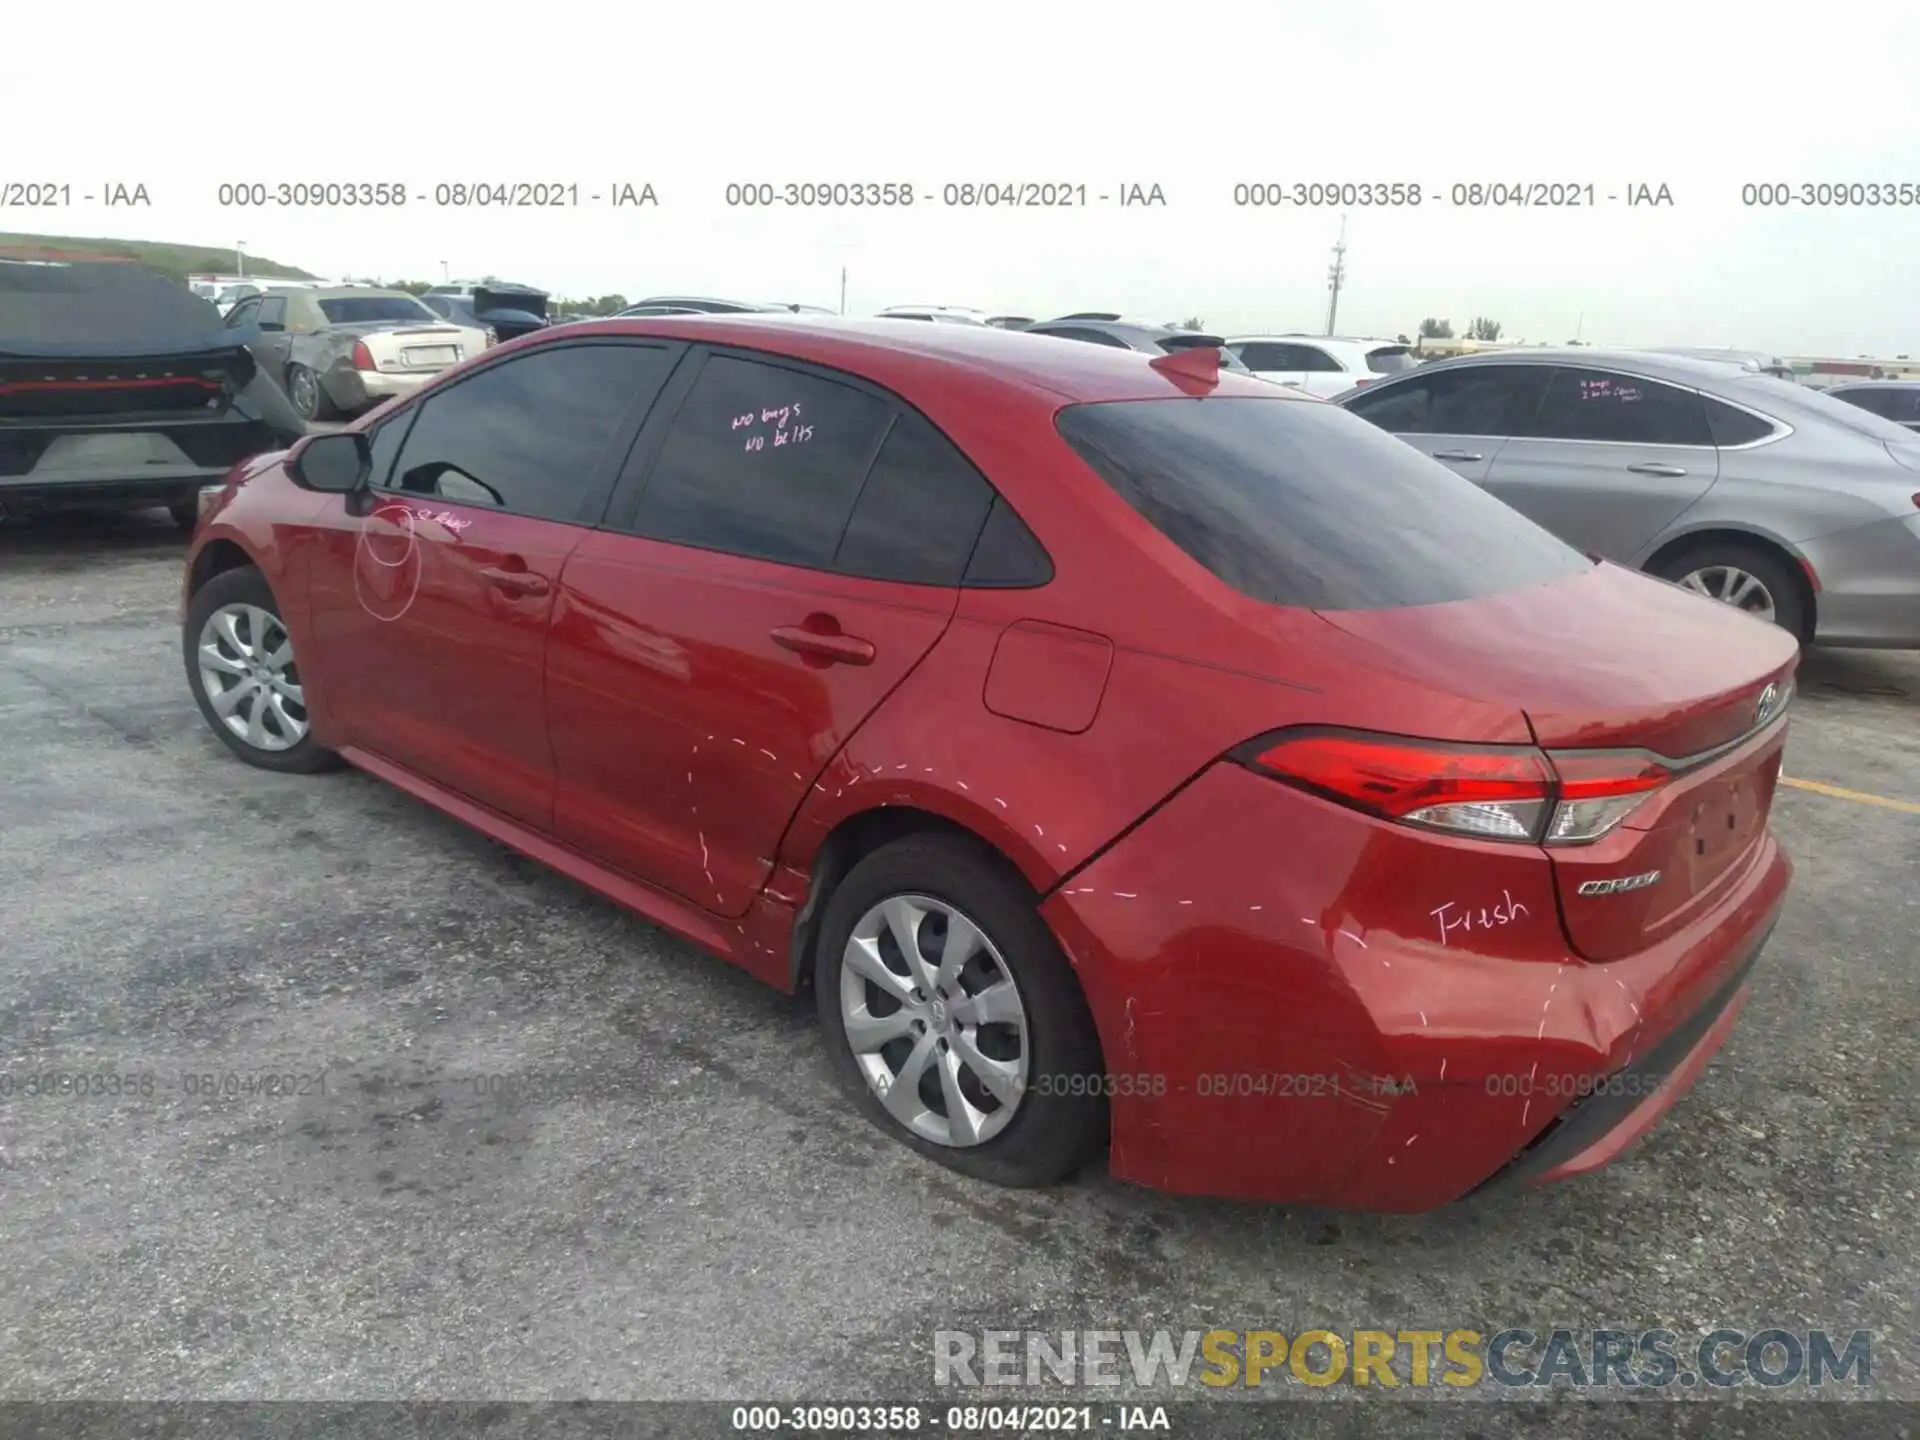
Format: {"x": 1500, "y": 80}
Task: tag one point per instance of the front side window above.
{"x": 529, "y": 435}
{"x": 1603, "y": 405}
{"x": 1293, "y": 503}
{"x": 1471, "y": 400}
{"x": 763, "y": 461}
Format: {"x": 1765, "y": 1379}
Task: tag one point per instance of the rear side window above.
{"x": 1009, "y": 555}
{"x": 1390, "y": 360}
{"x": 1621, "y": 409}
{"x": 1732, "y": 426}
{"x": 1299, "y": 504}
{"x": 919, "y": 513}
{"x": 762, "y": 461}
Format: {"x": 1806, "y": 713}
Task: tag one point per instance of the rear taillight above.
{"x": 1489, "y": 792}
{"x": 363, "y": 357}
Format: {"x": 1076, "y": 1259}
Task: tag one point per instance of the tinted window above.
{"x": 1312, "y": 357}
{"x": 1092, "y": 337}
{"x": 529, "y": 435}
{"x": 1390, "y": 360}
{"x": 385, "y": 441}
{"x": 919, "y": 512}
{"x": 1803, "y": 404}
{"x": 1876, "y": 401}
{"x": 1624, "y": 409}
{"x": 354, "y": 309}
{"x": 1731, "y": 426}
{"x": 762, "y": 461}
{"x": 1295, "y": 504}
{"x": 1472, "y": 400}
{"x": 1265, "y": 355}
{"x": 272, "y": 314}
{"x": 1008, "y": 557}
{"x": 243, "y": 314}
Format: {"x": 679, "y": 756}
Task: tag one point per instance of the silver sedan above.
{"x": 1796, "y": 507}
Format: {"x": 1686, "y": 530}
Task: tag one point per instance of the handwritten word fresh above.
{"x": 1454, "y": 917}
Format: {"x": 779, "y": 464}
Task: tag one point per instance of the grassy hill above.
{"x": 165, "y": 256}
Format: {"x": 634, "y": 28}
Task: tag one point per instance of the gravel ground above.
{"x": 559, "y": 1155}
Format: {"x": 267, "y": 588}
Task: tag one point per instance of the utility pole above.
{"x": 843, "y": 289}
{"x": 1336, "y": 275}
{"x": 240, "y": 257}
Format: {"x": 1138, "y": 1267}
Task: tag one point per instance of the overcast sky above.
{"x": 1193, "y": 98}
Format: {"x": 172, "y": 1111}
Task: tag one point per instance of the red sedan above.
{"x": 1130, "y": 754}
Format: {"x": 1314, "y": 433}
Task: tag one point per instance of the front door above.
{"x": 429, "y": 611}
{"x": 786, "y": 549}
{"x": 1460, "y": 416}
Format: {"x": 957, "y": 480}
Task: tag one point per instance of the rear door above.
{"x": 1462, "y": 416}
{"x": 785, "y": 548}
{"x": 1610, "y": 461}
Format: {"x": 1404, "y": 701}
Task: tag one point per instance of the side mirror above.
{"x": 336, "y": 464}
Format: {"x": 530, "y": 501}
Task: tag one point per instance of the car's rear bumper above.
{"x": 356, "y": 390}
{"x": 1272, "y": 1033}
{"x": 1869, "y": 584}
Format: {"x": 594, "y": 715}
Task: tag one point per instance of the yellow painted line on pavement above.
{"x": 1906, "y": 807}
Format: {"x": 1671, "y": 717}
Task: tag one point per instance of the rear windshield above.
{"x": 1390, "y": 360}
{"x": 1299, "y": 503}
{"x": 360, "y": 309}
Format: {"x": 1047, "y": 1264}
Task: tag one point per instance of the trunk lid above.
{"x": 57, "y": 390}
{"x": 1613, "y": 660}
{"x": 410, "y": 347}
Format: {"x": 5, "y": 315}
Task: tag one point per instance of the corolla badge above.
{"x": 1620, "y": 883}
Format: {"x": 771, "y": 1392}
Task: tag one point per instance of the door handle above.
{"x": 846, "y": 649}
{"x": 514, "y": 582}
{"x": 1456, "y": 455}
{"x": 1650, "y": 468}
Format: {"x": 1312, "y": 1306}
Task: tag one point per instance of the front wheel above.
{"x": 244, "y": 675}
{"x": 954, "y": 1021}
{"x": 1746, "y": 577}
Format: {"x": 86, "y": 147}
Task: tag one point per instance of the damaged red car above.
{"x": 1134, "y": 757}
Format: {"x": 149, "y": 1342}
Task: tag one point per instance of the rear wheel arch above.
{"x": 1671, "y": 555}
{"x": 851, "y": 841}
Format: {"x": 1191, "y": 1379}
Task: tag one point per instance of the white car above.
{"x": 939, "y": 314}
{"x": 1323, "y": 365}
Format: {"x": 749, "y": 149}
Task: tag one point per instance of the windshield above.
{"x": 1297, "y": 503}
{"x": 363, "y": 309}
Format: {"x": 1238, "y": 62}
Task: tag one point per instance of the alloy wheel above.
{"x": 248, "y": 672}
{"x": 935, "y": 1020}
{"x": 1733, "y": 586}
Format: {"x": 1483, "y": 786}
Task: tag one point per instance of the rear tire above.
{"x": 245, "y": 677}
{"x": 1757, "y": 580}
{"x": 1019, "y": 1067}
{"x": 309, "y": 396}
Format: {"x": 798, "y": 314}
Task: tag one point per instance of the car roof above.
{"x": 1296, "y": 336}
{"x": 879, "y": 348}
{"x": 342, "y": 292}
{"x": 1874, "y": 385}
{"x": 1653, "y": 364}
